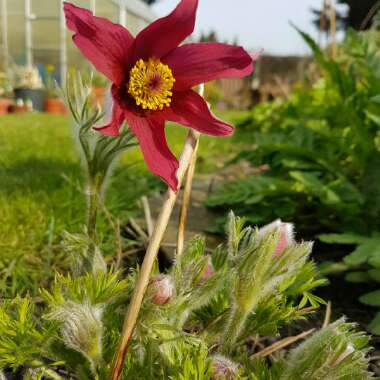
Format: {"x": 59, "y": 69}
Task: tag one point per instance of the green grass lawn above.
{"x": 41, "y": 196}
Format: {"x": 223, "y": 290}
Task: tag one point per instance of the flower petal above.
{"x": 197, "y": 63}
{"x": 165, "y": 34}
{"x": 151, "y": 135}
{"x": 105, "y": 44}
{"x": 113, "y": 126}
{"x": 190, "y": 109}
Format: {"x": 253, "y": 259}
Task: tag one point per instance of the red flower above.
{"x": 152, "y": 77}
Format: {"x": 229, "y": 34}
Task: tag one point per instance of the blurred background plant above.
{"x": 320, "y": 150}
{"x": 5, "y": 86}
{"x": 50, "y": 83}
{"x": 27, "y": 77}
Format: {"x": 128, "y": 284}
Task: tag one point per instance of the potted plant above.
{"x": 53, "y": 104}
{"x": 29, "y": 86}
{"x": 5, "y": 94}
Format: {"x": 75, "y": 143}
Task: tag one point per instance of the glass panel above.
{"x": 43, "y": 8}
{"x": 107, "y": 9}
{"x": 46, "y": 33}
{"x": 16, "y": 31}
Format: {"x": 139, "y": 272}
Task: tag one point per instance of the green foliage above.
{"x": 24, "y": 340}
{"x": 257, "y": 278}
{"x": 335, "y": 352}
{"x": 320, "y": 156}
{"x": 97, "y": 289}
{"x": 240, "y": 281}
{"x": 363, "y": 264}
{"x": 320, "y": 148}
{"x": 197, "y": 367}
{"x": 42, "y": 195}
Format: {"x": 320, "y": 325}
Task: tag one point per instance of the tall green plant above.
{"x": 322, "y": 151}
{"x": 321, "y": 148}
{"x": 99, "y": 154}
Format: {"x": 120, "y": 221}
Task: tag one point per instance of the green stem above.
{"x": 94, "y": 197}
{"x": 93, "y": 205}
{"x": 235, "y": 324}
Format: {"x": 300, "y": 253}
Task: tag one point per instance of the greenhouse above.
{"x": 33, "y": 31}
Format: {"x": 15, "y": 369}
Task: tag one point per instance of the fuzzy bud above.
{"x": 286, "y": 234}
{"x": 81, "y": 328}
{"x": 208, "y": 271}
{"x": 162, "y": 289}
{"x": 223, "y": 368}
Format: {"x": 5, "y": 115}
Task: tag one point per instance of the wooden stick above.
{"x": 149, "y": 259}
{"x": 369, "y": 16}
{"x": 148, "y": 215}
{"x": 334, "y": 46}
{"x": 186, "y": 202}
{"x": 187, "y": 194}
{"x": 281, "y": 344}
{"x": 326, "y": 322}
{"x": 307, "y": 310}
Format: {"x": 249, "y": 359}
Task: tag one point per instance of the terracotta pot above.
{"x": 55, "y": 106}
{"x": 5, "y": 104}
{"x": 99, "y": 94}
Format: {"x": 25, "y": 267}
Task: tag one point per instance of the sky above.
{"x": 256, "y": 23}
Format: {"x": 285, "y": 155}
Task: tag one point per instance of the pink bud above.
{"x": 208, "y": 271}
{"x": 162, "y": 289}
{"x": 223, "y": 368}
{"x": 286, "y": 234}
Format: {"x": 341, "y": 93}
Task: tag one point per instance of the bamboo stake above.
{"x": 334, "y": 46}
{"x": 187, "y": 194}
{"x": 150, "y": 257}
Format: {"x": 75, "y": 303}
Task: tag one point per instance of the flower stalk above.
{"x": 99, "y": 153}
{"x": 187, "y": 193}
{"x": 94, "y": 198}
{"x": 237, "y": 318}
{"x": 186, "y": 202}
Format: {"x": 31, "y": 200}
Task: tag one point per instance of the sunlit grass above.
{"x": 41, "y": 196}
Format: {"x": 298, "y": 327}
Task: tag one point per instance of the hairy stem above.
{"x": 95, "y": 183}
{"x": 235, "y": 324}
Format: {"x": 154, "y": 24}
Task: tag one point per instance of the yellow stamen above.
{"x": 151, "y": 83}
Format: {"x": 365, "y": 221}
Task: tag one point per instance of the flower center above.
{"x": 151, "y": 84}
